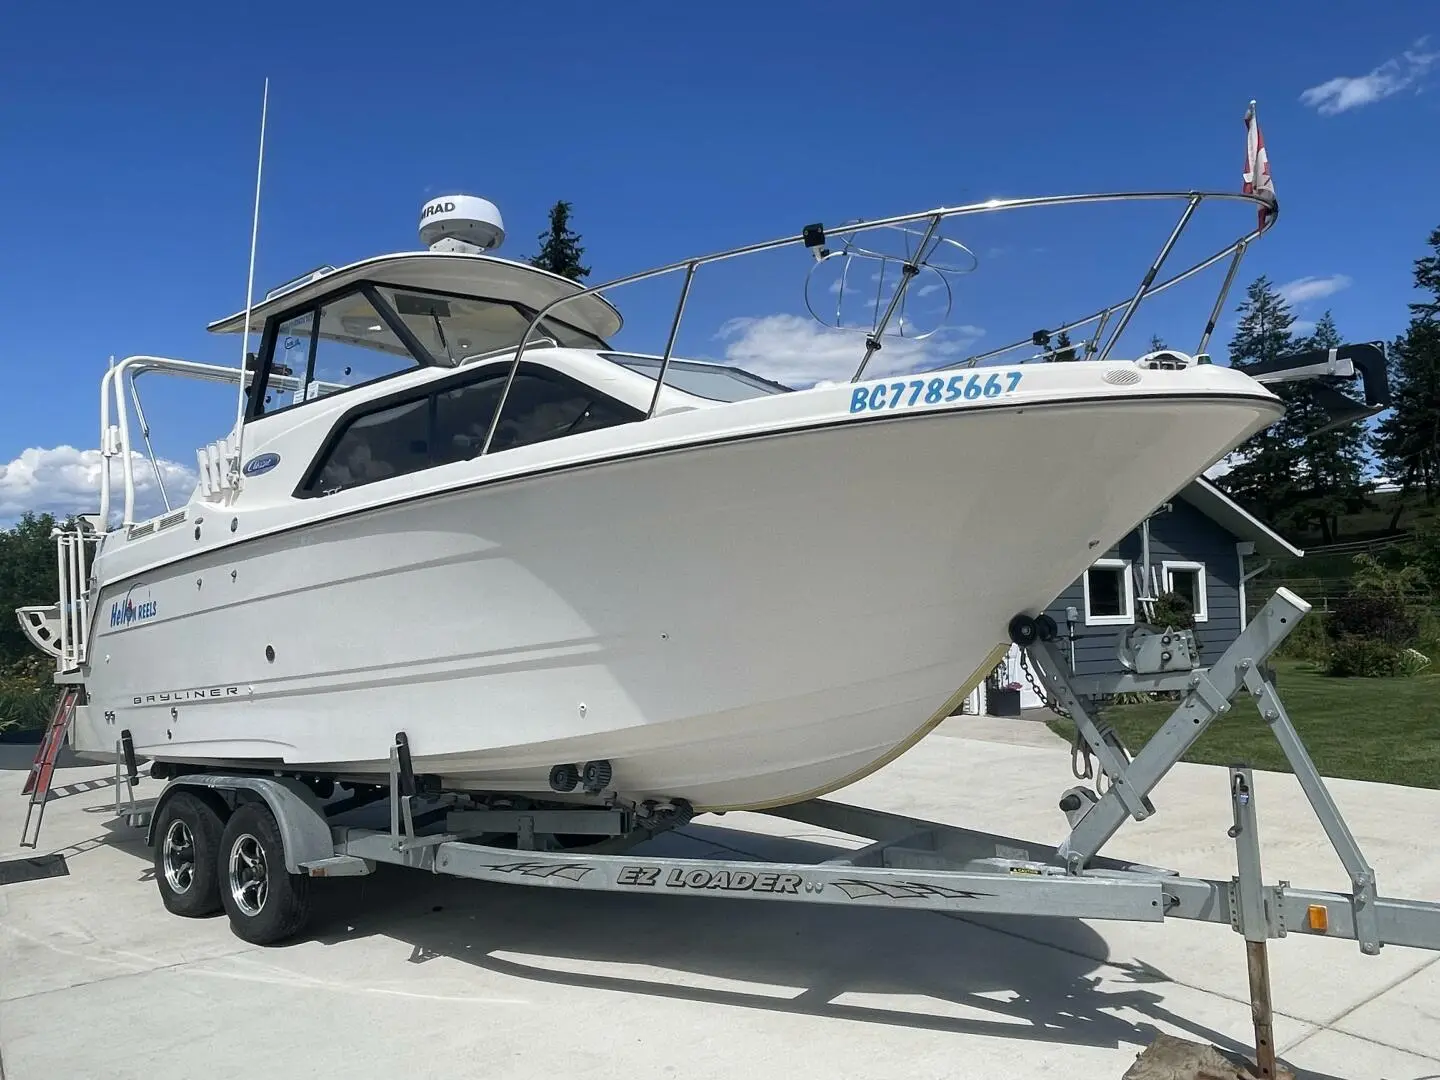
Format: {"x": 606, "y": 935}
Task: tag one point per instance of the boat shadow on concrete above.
{"x": 988, "y": 975}
{"x": 911, "y": 969}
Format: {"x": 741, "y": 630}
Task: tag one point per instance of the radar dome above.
{"x": 465, "y": 223}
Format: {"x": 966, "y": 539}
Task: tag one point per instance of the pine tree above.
{"x": 1409, "y": 438}
{"x": 560, "y": 248}
{"x": 1061, "y": 349}
{"x": 1265, "y": 478}
{"x": 1157, "y": 343}
{"x": 1330, "y": 465}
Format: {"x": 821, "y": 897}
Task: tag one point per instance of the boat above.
{"x": 451, "y": 508}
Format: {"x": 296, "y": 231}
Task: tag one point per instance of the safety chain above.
{"x": 1058, "y": 710}
{"x": 1081, "y": 766}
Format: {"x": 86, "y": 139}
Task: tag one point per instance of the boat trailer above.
{"x": 262, "y": 836}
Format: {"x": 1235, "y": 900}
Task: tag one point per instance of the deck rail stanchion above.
{"x": 1150, "y": 274}
{"x": 908, "y": 270}
{"x": 669, "y": 340}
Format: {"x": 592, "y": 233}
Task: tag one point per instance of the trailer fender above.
{"x": 300, "y": 815}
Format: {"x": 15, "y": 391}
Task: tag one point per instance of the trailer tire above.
{"x": 187, "y": 856}
{"x": 265, "y": 902}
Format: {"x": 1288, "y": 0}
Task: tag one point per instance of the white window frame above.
{"x": 1202, "y": 609}
{"x": 1126, "y": 575}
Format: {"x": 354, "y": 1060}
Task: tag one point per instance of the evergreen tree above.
{"x": 1331, "y": 464}
{"x": 1265, "y": 478}
{"x": 1157, "y": 343}
{"x": 1409, "y": 438}
{"x": 560, "y": 248}
{"x": 1061, "y": 350}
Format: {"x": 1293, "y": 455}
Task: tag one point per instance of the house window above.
{"x": 1109, "y": 593}
{"x": 1187, "y": 579}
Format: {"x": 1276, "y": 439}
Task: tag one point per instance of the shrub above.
{"x": 25, "y": 704}
{"x": 1372, "y": 630}
{"x": 1376, "y": 617}
{"x": 1173, "y": 610}
{"x": 1366, "y": 658}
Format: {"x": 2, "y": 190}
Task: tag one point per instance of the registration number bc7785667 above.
{"x": 905, "y": 393}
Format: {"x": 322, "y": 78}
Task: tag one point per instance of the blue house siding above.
{"x": 1182, "y": 534}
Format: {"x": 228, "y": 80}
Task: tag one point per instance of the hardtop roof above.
{"x": 483, "y": 276}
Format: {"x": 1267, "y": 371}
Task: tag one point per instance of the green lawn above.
{"x": 1362, "y": 729}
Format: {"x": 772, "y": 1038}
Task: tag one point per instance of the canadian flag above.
{"x": 1257, "y": 180}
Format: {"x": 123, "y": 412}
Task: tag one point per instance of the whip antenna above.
{"x": 250, "y": 291}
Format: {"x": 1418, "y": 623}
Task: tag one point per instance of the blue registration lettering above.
{"x": 973, "y": 386}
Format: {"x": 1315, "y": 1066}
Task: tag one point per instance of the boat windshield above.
{"x": 375, "y": 331}
{"x": 716, "y": 382}
{"x": 455, "y": 329}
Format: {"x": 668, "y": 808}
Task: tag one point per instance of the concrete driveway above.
{"x": 420, "y": 976}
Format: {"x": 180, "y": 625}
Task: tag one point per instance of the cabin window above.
{"x": 455, "y": 329}
{"x": 341, "y": 343}
{"x": 450, "y": 425}
{"x": 355, "y": 346}
{"x": 1187, "y": 579}
{"x": 1109, "y": 593}
{"x": 376, "y": 446}
{"x": 717, "y": 382}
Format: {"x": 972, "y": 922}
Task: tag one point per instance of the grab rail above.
{"x": 116, "y": 443}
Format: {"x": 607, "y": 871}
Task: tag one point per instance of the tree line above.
{"x": 1296, "y": 479}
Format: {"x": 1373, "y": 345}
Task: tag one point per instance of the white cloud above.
{"x": 63, "y": 480}
{"x": 1312, "y": 288}
{"x": 798, "y": 351}
{"x": 1301, "y": 327}
{"x": 1346, "y": 92}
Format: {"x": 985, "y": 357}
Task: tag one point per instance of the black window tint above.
{"x": 451, "y": 425}
{"x": 462, "y": 417}
{"x": 537, "y": 409}
{"x": 377, "y": 446}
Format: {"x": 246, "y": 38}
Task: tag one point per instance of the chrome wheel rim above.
{"x": 178, "y": 857}
{"x": 248, "y": 875}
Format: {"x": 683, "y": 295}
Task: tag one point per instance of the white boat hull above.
{"x": 742, "y": 624}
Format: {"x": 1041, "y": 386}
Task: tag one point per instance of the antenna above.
{"x": 250, "y": 292}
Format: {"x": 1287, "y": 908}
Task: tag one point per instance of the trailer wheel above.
{"x": 187, "y": 849}
{"x": 265, "y": 902}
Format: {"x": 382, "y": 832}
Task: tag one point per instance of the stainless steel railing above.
{"x": 1148, "y": 286}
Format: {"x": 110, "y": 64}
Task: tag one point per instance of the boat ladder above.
{"x": 42, "y": 770}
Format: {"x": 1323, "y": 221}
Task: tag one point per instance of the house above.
{"x": 1202, "y": 544}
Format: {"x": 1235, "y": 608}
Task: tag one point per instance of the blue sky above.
{"x": 129, "y": 166}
